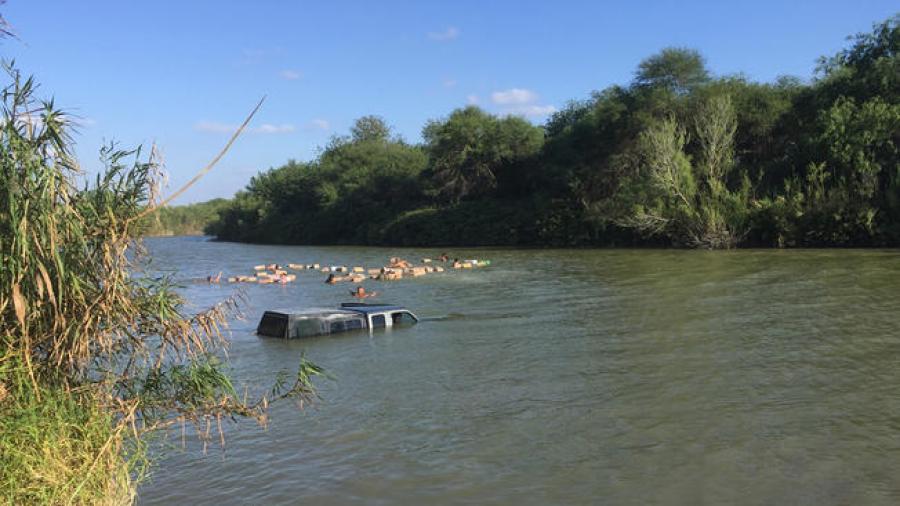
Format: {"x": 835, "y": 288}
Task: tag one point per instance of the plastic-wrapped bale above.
{"x": 391, "y": 275}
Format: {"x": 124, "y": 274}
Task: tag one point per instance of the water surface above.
{"x": 567, "y": 377}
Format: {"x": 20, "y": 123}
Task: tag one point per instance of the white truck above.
{"x": 288, "y": 324}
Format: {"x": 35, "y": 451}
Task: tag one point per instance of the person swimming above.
{"x": 214, "y": 279}
{"x": 361, "y": 293}
{"x": 398, "y": 263}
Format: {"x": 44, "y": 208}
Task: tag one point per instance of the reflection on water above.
{"x": 568, "y": 377}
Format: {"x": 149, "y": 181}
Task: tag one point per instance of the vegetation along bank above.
{"x": 677, "y": 157}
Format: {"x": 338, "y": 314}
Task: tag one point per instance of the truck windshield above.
{"x": 272, "y": 325}
{"x": 402, "y": 318}
{"x": 306, "y": 327}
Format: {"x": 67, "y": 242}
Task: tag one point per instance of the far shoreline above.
{"x": 549, "y": 247}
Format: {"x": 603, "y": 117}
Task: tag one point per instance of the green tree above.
{"x": 673, "y": 68}
{"x": 782, "y": 163}
{"x": 687, "y": 200}
{"x": 370, "y": 128}
{"x": 471, "y": 149}
{"x": 357, "y": 183}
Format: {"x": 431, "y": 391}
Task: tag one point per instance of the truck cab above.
{"x": 382, "y": 315}
{"x": 291, "y": 324}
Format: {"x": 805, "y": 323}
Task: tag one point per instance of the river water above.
{"x": 566, "y": 377}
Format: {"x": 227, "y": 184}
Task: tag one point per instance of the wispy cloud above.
{"x": 450, "y": 33}
{"x": 290, "y": 75}
{"x": 521, "y": 102}
{"x": 531, "y": 111}
{"x": 513, "y": 96}
{"x": 253, "y": 56}
{"x": 83, "y": 122}
{"x": 319, "y": 124}
{"x": 449, "y": 83}
{"x": 472, "y": 99}
{"x": 268, "y": 128}
{"x": 265, "y": 128}
{"x": 214, "y": 127}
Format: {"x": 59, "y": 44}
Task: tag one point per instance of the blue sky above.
{"x": 182, "y": 74}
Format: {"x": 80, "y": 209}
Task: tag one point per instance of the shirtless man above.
{"x": 361, "y": 293}
{"x": 398, "y": 263}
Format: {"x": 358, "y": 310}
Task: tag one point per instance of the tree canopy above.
{"x": 674, "y": 68}
{"x": 679, "y": 156}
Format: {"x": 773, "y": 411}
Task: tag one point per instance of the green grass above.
{"x": 61, "y": 447}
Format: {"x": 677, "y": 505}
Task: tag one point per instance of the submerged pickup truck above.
{"x": 316, "y": 322}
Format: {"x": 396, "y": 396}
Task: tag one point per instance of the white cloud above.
{"x": 450, "y": 33}
{"x": 472, "y": 99}
{"x": 265, "y": 128}
{"x": 514, "y": 96}
{"x": 290, "y": 75}
{"x": 531, "y": 110}
{"x": 521, "y": 102}
{"x": 268, "y": 128}
{"x": 449, "y": 83}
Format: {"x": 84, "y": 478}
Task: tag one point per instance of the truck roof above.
{"x": 362, "y": 307}
{"x": 347, "y": 308}
{"x": 318, "y": 311}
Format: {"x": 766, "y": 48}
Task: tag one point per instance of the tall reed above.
{"x": 94, "y": 352}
